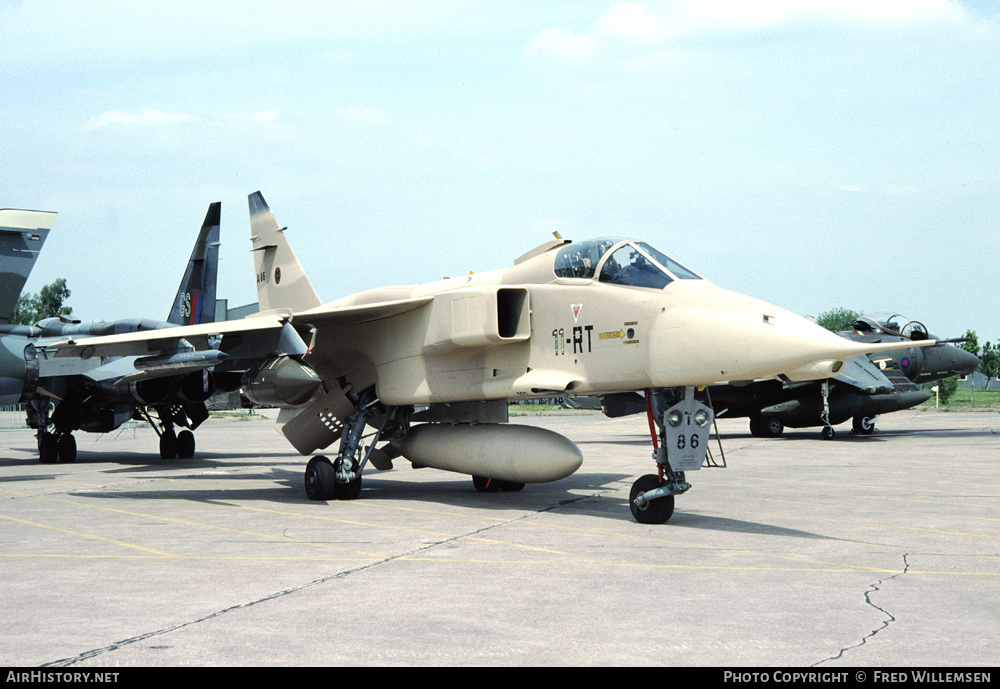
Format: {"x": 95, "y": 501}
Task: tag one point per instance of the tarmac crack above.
{"x": 118, "y": 645}
{"x": 889, "y": 617}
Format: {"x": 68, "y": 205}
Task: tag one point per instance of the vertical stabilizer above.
{"x": 281, "y": 282}
{"x": 22, "y": 234}
{"x": 195, "y": 300}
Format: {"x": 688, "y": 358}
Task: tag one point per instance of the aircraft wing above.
{"x": 324, "y": 316}
{"x": 861, "y": 373}
{"x": 163, "y": 340}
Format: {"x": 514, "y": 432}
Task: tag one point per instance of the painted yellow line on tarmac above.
{"x": 87, "y": 535}
{"x": 283, "y": 539}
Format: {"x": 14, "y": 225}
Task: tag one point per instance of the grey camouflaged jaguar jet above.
{"x": 430, "y": 368}
{"x": 74, "y": 383}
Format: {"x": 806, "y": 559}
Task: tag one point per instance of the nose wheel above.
{"x": 654, "y": 511}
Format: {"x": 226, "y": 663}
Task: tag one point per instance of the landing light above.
{"x": 674, "y": 418}
{"x": 701, "y": 417}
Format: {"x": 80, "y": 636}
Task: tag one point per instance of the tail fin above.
{"x": 22, "y": 234}
{"x": 195, "y": 300}
{"x": 281, "y": 282}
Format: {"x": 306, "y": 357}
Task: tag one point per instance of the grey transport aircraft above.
{"x": 72, "y": 385}
{"x": 22, "y": 235}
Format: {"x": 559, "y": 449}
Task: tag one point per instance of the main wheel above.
{"x": 321, "y": 482}
{"x": 66, "y": 448}
{"x": 510, "y": 486}
{"x": 864, "y": 425}
{"x": 772, "y": 426}
{"x": 185, "y": 445}
{"x": 656, "y": 511}
{"x": 48, "y": 449}
{"x": 485, "y": 485}
{"x": 168, "y": 445}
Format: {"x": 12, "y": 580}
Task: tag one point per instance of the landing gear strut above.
{"x": 827, "y": 433}
{"x": 680, "y": 433}
{"x": 341, "y": 478}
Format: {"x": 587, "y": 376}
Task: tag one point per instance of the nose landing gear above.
{"x": 680, "y": 432}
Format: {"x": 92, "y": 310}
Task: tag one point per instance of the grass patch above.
{"x": 239, "y": 415}
{"x": 522, "y": 409}
{"x": 965, "y": 398}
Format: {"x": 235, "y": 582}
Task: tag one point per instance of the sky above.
{"x": 815, "y": 154}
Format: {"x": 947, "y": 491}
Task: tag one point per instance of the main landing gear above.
{"x": 341, "y": 478}
{"x": 864, "y": 425}
{"x": 766, "y": 426}
{"x": 54, "y": 445}
{"x": 172, "y": 444}
{"x": 680, "y": 431}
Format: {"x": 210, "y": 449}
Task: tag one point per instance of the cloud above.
{"x": 146, "y": 119}
{"x": 672, "y": 22}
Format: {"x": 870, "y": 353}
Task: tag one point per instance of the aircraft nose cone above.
{"x": 962, "y": 362}
{"x": 730, "y": 344}
{"x": 947, "y": 360}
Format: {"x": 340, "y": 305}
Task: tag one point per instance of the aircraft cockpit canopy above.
{"x": 892, "y": 324}
{"x": 635, "y": 264}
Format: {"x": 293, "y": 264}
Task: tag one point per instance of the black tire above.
{"x": 66, "y": 448}
{"x": 185, "y": 445}
{"x": 865, "y": 425}
{"x": 48, "y": 450}
{"x": 321, "y": 481}
{"x": 828, "y": 433}
{"x": 510, "y": 486}
{"x": 756, "y": 427}
{"x": 772, "y": 427}
{"x": 168, "y": 445}
{"x": 485, "y": 485}
{"x": 656, "y": 511}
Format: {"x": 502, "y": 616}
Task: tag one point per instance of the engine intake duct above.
{"x": 150, "y": 391}
{"x": 195, "y": 387}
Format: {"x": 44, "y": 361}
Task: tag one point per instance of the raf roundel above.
{"x": 277, "y": 276}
